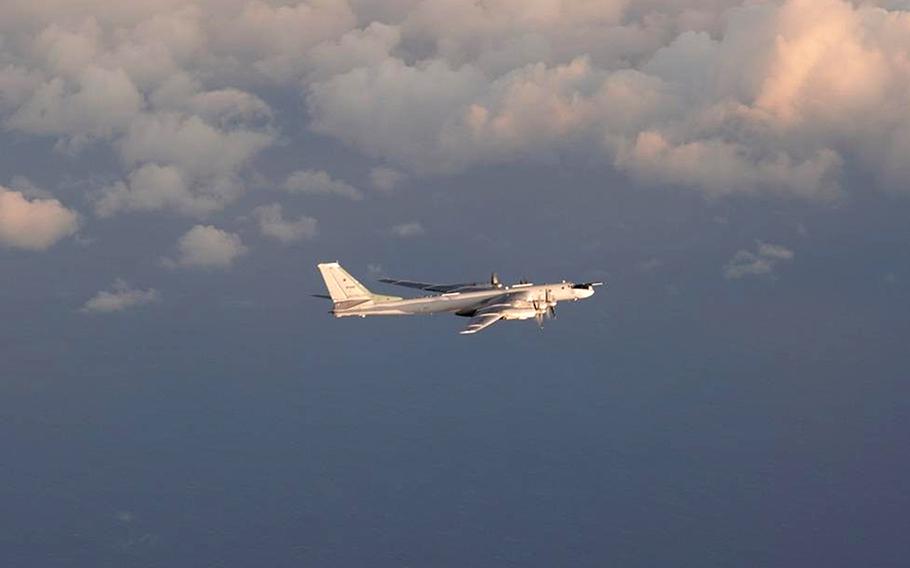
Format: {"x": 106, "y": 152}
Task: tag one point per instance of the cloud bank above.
{"x": 784, "y": 97}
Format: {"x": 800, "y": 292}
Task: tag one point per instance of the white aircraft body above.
{"x": 484, "y": 303}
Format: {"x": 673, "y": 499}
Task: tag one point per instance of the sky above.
{"x": 736, "y": 171}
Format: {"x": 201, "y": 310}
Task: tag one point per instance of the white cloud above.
{"x": 16, "y": 85}
{"x": 34, "y": 224}
{"x": 100, "y": 104}
{"x": 398, "y": 111}
{"x": 205, "y": 246}
{"x": 189, "y": 142}
{"x": 386, "y": 179}
{"x": 224, "y": 107}
{"x": 356, "y": 48}
{"x": 122, "y": 296}
{"x": 407, "y": 230}
{"x": 721, "y": 96}
{"x": 182, "y": 163}
{"x": 277, "y": 37}
{"x": 318, "y": 182}
{"x": 273, "y": 224}
{"x": 761, "y": 262}
{"x": 708, "y": 105}
{"x": 136, "y": 77}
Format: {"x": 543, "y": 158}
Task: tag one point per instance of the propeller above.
{"x": 544, "y": 309}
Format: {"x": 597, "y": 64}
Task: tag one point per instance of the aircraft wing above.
{"x": 441, "y": 288}
{"x": 480, "y": 322}
{"x": 493, "y": 310}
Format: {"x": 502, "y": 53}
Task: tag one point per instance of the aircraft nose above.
{"x": 584, "y": 292}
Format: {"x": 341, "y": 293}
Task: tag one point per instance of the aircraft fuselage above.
{"x": 461, "y": 303}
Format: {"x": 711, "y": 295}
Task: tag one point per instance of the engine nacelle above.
{"x": 519, "y": 314}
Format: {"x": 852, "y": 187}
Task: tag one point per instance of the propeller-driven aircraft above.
{"x": 484, "y": 302}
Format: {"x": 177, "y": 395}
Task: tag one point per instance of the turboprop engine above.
{"x": 545, "y": 307}
{"x": 519, "y": 313}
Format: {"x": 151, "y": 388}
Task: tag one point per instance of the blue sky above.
{"x": 170, "y": 174}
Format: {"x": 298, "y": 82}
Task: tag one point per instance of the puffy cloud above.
{"x": 714, "y": 111}
{"x": 762, "y": 262}
{"x": 135, "y": 77}
{"x": 16, "y": 85}
{"x": 152, "y": 187}
{"x": 224, "y": 107}
{"x": 319, "y": 182}
{"x": 721, "y": 167}
{"x": 122, "y": 297}
{"x": 355, "y": 49}
{"x": 101, "y": 104}
{"x": 273, "y": 224}
{"x": 189, "y": 142}
{"x": 205, "y": 246}
{"x": 721, "y": 96}
{"x": 398, "y": 111}
{"x": 181, "y": 163}
{"x": 276, "y": 37}
{"x": 408, "y": 230}
{"x": 33, "y": 224}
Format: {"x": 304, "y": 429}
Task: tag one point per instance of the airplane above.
{"x": 485, "y": 303}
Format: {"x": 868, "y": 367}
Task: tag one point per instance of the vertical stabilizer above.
{"x": 344, "y": 289}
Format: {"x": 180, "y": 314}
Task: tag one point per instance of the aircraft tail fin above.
{"x": 345, "y": 290}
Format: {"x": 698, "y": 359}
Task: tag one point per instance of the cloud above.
{"x": 136, "y": 79}
{"x": 275, "y": 37}
{"x": 357, "y": 107}
{"x": 273, "y": 224}
{"x": 122, "y": 296}
{"x": 355, "y": 49}
{"x": 101, "y": 104}
{"x": 181, "y": 163}
{"x": 189, "y": 142}
{"x": 706, "y": 104}
{"x": 408, "y": 230}
{"x": 34, "y": 224}
{"x": 386, "y": 179}
{"x": 319, "y": 182}
{"x": 718, "y": 96}
{"x": 149, "y": 188}
{"x": 762, "y": 262}
{"x": 205, "y": 246}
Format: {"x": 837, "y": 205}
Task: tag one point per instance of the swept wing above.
{"x": 495, "y": 309}
{"x": 480, "y": 322}
{"x": 441, "y": 288}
